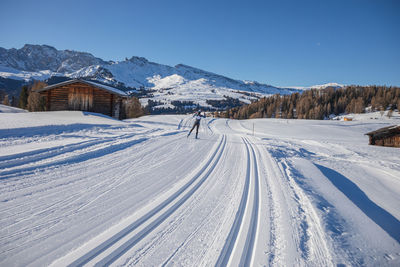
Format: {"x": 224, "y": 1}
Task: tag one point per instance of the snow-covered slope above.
{"x": 8, "y": 109}
{"x": 80, "y": 189}
{"x": 164, "y": 83}
{"x": 319, "y": 86}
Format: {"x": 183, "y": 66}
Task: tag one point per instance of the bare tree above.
{"x": 382, "y": 111}
{"x": 390, "y": 113}
{"x": 133, "y": 108}
{"x": 35, "y": 101}
{"x": 398, "y": 106}
{"x": 6, "y": 101}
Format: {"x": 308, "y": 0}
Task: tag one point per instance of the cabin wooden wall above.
{"x": 392, "y": 141}
{"x": 80, "y": 96}
{"x": 56, "y": 99}
{"x": 103, "y": 102}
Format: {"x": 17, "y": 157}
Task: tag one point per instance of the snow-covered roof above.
{"x": 107, "y": 88}
{"x": 394, "y": 129}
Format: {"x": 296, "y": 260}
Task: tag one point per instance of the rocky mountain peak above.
{"x": 28, "y": 48}
{"x": 44, "y": 57}
{"x": 138, "y": 60}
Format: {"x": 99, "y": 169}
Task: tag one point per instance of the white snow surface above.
{"x": 7, "y": 72}
{"x": 83, "y": 189}
{"x": 9, "y": 109}
{"x": 319, "y": 86}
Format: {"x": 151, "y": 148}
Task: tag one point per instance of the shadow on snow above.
{"x": 380, "y": 216}
{"x": 47, "y": 130}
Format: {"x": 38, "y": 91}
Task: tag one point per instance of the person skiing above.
{"x": 197, "y": 117}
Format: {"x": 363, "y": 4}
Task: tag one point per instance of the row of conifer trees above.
{"x": 319, "y": 104}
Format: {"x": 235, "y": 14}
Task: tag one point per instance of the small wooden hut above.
{"x": 85, "y": 96}
{"x": 387, "y": 136}
{"x": 347, "y": 118}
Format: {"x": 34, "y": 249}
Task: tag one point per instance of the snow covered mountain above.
{"x": 319, "y": 86}
{"x": 36, "y": 58}
{"x": 164, "y": 85}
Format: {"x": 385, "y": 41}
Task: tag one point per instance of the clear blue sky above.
{"x": 283, "y": 43}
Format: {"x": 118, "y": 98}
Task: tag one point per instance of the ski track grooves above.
{"x": 73, "y": 153}
{"x": 251, "y": 236}
{"x": 180, "y": 197}
{"x": 230, "y": 246}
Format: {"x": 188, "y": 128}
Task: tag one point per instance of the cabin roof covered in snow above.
{"x": 385, "y": 131}
{"x": 107, "y": 88}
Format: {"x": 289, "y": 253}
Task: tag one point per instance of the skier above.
{"x": 197, "y": 117}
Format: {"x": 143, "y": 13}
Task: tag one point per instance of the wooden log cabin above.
{"x": 85, "y": 96}
{"x": 387, "y": 136}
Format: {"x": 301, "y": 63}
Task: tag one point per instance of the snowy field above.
{"x": 83, "y": 189}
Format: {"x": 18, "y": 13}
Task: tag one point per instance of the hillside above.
{"x": 167, "y": 86}
{"x": 321, "y": 103}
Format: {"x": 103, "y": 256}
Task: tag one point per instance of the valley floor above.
{"x": 80, "y": 189}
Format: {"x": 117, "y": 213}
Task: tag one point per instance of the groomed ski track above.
{"x": 142, "y": 194}
{"x": 148, "y": 223}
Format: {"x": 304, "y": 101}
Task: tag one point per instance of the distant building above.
{"x": 388, "y": 136}
{"x": 347, "y": 118}
{"x": 85, "y": 96}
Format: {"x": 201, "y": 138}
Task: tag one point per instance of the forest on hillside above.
{"x": 319, "y": 103}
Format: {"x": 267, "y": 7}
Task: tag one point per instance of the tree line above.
{"x": 319, "y": 104}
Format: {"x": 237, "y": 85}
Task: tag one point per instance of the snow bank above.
{"x": 38, "y": 119}
{"x": 8, "y": 109}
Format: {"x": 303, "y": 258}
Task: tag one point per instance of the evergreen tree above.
{"x": 23, "y": 97}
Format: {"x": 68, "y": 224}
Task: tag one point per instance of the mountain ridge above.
{"x": 163, "y": 84}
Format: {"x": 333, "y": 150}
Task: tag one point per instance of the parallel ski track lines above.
{"x": 51, "y": 152}
{"x": 232, "y": 236}
{"x": 75, "y": 197}
{"x": 72, "y": 153}
{"x": 247, "y": 254}
{"x": 146, "y": 151}
{"x": 179, "y": 196}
